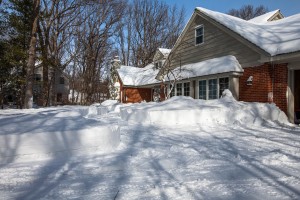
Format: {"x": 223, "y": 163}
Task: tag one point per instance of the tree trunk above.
{"x": 31, "y": 59}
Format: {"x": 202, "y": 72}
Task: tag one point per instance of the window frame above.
{"x": 185, "y": 88}
{"x": 202, "y": 80}
{"x": 213, "y": 89}
{"x": 220, "y": 93}
{"x": 182, "y": 90}
{"x": 207, "y": 86}
{"x": 202, "y": 35}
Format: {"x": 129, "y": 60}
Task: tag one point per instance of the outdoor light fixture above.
{"x": 249, "y": 80}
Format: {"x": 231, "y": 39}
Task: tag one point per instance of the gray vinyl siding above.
{"x": 217, "y": 43}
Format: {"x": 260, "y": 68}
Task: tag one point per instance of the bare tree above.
{"x": 248, "y": 11}
{"x": 148, "y": 24}
{"x": 57, "y": 18}
{"x": 32, "y": 55}
{"x": 93, "y": 39}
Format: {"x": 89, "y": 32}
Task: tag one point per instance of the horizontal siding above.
{"x": 216, "y": 44}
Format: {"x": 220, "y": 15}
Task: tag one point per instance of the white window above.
{"x": 199, "y": 35}
{"x": 212, "y": 88}
{"x": 202, "y": 89}
{"x": 186, "y": 89}
{"x": 223, "y": 84}
{"x": 158, "y": 64}
{"x": 180, "y": 89}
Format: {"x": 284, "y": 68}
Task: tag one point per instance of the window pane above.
{"x": 172, "y": 94}
{"x": 202, "y": 89}
{"x": 199, "y": 39}
{"x": 199, "y": 35}
{"x": 199, "y": 31}
{"x": 212, "y": 89}
{"x": 186, "y": 89}
{"x": 224, "y": 84}
{"x": 179, "y": 89}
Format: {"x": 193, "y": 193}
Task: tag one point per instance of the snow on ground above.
{"x": 218, "y": 159}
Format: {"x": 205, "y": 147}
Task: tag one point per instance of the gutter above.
{"x": 281, "y": 57}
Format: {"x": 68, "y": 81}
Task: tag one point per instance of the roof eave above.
{"x": 286, "y": 57}
{"x": 233, "y": 33}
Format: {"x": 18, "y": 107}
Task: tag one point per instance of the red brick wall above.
{"x": 280, "y": 86}
{"x": 262, "y": 84}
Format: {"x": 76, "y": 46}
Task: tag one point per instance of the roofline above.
{"x": 281, "y": 57}
{"x": 277, "y": 13}
{"x": 233, "y": 33}
{"x": 176, "y": 43}
{"x": 232, "y": 73}
{"x": 219, "y": 25}
{"x": 142, "y": 86}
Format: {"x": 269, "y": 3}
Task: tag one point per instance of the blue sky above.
{"x": 287, "y": 7}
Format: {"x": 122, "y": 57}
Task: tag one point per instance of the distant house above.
{"x": 258, "y": 60}
{"x": 59, "y": 92}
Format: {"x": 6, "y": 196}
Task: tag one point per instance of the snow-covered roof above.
{"x": 208, "y": 67}
{"x": 164, "y": 51}
{"x": 275, "y": 37}
{"x": 264, "y": 18}
{"x": 134, "y": 76}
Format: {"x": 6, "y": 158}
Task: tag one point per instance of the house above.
{"x": 258, "y": 60}
{"x": 139, "y": 84}
{"x": 60, "y": 90}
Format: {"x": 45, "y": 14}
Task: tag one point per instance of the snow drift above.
{"x": 61, "y": 133}
{"x": 188, "y": 111}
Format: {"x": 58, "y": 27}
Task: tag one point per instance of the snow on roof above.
{"x": 212, "y": 66}
{"x": 264, "y": 18}
{"x": 134, "y": 76}
{"x": 276, "y": 37}
{"x": 164, "y": 51}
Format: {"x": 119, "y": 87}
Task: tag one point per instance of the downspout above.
{"x": 273, "y": 77}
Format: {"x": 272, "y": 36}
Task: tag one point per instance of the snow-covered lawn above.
{"x": 220, "y": 149}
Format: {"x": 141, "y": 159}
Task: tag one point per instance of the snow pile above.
{"x": 54, "y": 133}
{"x": 96, "y": 109}
{"x": 114, "y": 105}
{"x": 188, "y": 111}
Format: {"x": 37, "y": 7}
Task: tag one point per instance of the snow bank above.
{"x": 96, "y": 109}
{"x": 189, "y": 111}
{"x": 43, "y": 145}
{"x": 55, "y": 134}
{"x": 114, "y": 105}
